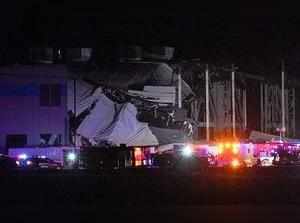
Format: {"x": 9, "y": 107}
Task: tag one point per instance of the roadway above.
{"x": 214, "y": 195}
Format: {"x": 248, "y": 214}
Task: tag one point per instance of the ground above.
{"x": 215, "y": 195}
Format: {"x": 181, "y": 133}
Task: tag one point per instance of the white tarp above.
{"x": 141, "y": 136}
{"x": 86, "y": 95}
{"x": 99, "y": 119}
{"x": 115, "y": 123}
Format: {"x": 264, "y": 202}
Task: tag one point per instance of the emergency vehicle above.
{"x": 229, "y": 154}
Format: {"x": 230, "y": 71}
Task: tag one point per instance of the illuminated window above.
{"x": 50, "y": 95}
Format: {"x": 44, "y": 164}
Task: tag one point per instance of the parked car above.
{"x": 285, "y": 157}
{"x": 182, "y": 162}
{"x": 7, "y": 163}
{"x": 40, "y": 163}
{"x": 166, "y": 160}
{"x": 265, "y": 158}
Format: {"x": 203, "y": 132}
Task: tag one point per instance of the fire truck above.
{"x": 221, "y": 154}
{"x": 229, "y": 154}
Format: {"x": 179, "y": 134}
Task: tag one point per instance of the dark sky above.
{"x": 253, "y": 38}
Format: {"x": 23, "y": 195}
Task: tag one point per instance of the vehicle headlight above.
{"x": 187, "y": 151}
{"x": 235, "y": 163}
{"x": 71, "y": 156}
{"x": 28, "y": 162}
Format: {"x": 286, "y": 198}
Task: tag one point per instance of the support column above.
{"x": 207, "y": 102}
{"x": 75, "y": 110}
{"x": 262, "y": 107}
{"x": 266, "y": 109}
{"x": 233, "y": 100}
{"x": 294, "y": 111}
{"x": 245, "y": 108}
{"x": 282, "y": 100}
{"x": 179, "y": 91}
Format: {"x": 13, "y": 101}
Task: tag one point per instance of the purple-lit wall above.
{"x": 20, "y": 110}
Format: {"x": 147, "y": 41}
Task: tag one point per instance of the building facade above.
{"x": 35, "y": 101}
{"x": 33, "y": 106}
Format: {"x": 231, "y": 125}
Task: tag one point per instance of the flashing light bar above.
{"x": 234, "y": 146}
{"x": 22, "y": 156}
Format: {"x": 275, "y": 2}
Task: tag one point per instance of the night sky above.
{"x": 255, "y": 39}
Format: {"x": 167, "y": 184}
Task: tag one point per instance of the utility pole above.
{"x": 207, "y": 102}
{"x": 233, "y": 100}
{"x": 75, "y": 111}
{"x": 179, "y": 90}
{"x": 282, "y": 99}
{"x": 245, "y": 108}
{"x": 262, "y": 116}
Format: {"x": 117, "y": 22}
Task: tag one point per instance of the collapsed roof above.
{"x": 114, "y": 122}
{"x": 110, "y": 121}
{"x": 137, "y": 74}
